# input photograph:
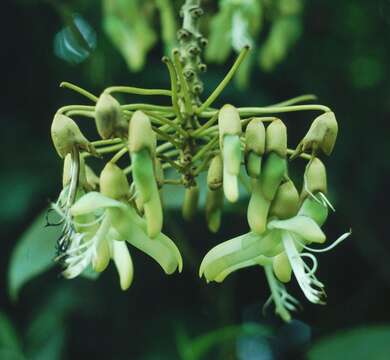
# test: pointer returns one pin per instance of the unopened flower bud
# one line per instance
(255, 137)
(282, 267)
(92, 178)
(272, 174)
(113, 182)
(315, 177)
(313, 209)
(276, 138)
(123, 263)
(286, 201)
(215, 173)
(258, 208)
(253, 164)
(228, 122)
(190, 203)
(322, 135)
(66, 136)
(141, 135)
(231, 166)
(108, 115)
(214, 203)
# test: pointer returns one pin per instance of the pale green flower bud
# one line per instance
(215, 173)
(258, 208)
(108, 115)
(272, 174)
(146, 187)
(282, 268)
(315, 178)
(66, 136)
(276, 138)
(141, 135)
(231, 166)
(286, 201)
(255, 137)
(253, 164)
(113, 182)
(322, 135)
(190, 203)
(214, 203)
(229, 122)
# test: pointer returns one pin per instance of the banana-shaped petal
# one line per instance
(94, 201)
(303, 226)
(122, 259)
(245, 248)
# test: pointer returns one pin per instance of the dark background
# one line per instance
(342, 57)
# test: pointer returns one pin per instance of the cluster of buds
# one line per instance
(102, 214)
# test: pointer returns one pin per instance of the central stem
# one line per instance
(191, 43)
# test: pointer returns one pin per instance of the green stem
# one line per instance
(183, 83)
(297, 99)
(205, 126)
(173, 77)
(80, 90)
(66, 108)
(225, 81)
(119, 154)
(205, 149)
(166, 137)
(163, 120)
(137, 91)
(88, 114)
(147, 107)
(106, 142)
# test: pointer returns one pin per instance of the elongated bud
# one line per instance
(228, 122)
(286, 201)
(276, 138)
(315, 177)
(282, 267)
(141, 135)
(214, 203)
(322, 135)
(258, 208)
(108, 115)
(102, 257)
(147, 192)
(124, 264)
(272, 174)
(67, 172)
(255, 137)
(190, 203)
(215, 173)
(113, 182)
(231, 166)
(66, 135)
(159, 171)
(253, 164)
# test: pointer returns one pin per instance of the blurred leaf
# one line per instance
(168, 24)
(33, 254)
(126, 22)
(197, 348)
(220, 36)
(357, 344)
(10, 347)
(46, 332)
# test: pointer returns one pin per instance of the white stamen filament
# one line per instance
(305, 279)
(330, 247)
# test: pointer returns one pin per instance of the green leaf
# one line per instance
(358, 344)
(197, 348)
(33, 254)
(10, 347)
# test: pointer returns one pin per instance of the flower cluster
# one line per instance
(102, 214)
